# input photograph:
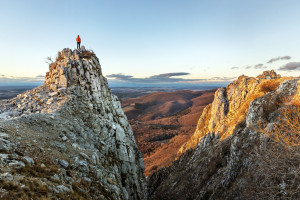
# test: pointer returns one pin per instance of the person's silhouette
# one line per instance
(78, 40)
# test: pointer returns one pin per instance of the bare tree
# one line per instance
(49, 60)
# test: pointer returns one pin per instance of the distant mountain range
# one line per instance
(10, 91)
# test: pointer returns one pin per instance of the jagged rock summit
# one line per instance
(69, 138)
(230, 105)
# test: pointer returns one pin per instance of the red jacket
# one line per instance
(78, 39)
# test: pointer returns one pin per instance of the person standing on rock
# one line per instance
(78, 40)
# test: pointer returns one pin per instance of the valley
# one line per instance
(162, 122)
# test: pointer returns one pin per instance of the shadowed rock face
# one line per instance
(73, 131)
(243, 165)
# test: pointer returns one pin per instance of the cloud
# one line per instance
(279, 58)
(160, 78)
(167, 78)
(290, 66)
(222, 78)
(260, 66)
(168, 75)
(234, 67)
(120, 76)
(247, 67)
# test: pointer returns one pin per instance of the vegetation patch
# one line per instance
(269, 85)
(87, 54)
(287, 131)
(161, 137)
(164, 127)
(38, 171)
(142, 106)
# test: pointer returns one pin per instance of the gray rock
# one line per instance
(53, 94)
(4, 135)
(6, 177)
(84, 155)
(3, 156)
(61, 189)
(61, 147)
(64, 163)
(64, 138)
(28, 160)
(16, 164)
(55, 177)
(3, 147)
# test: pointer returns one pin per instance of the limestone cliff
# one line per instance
(230, 107)
(235, 154)
(69, 138)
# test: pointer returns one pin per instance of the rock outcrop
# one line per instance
(269, 75)
(230, 155)
(230, 107)
(69, 138)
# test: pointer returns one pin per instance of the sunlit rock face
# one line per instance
(75, 126)
(230, 107)
(231, 156)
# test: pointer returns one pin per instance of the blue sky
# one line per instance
(193, 41)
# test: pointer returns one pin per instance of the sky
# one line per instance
(141, 42)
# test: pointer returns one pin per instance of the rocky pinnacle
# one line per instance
(74, 124)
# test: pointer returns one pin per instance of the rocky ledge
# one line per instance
(69, 138)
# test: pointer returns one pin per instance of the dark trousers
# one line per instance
(78, 45)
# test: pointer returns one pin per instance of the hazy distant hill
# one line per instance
(7, 92)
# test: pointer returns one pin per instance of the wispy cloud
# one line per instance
(290, 66)
(279, 58)
(168, 75)
(225, 79)
(120, 76)
(260, 66)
